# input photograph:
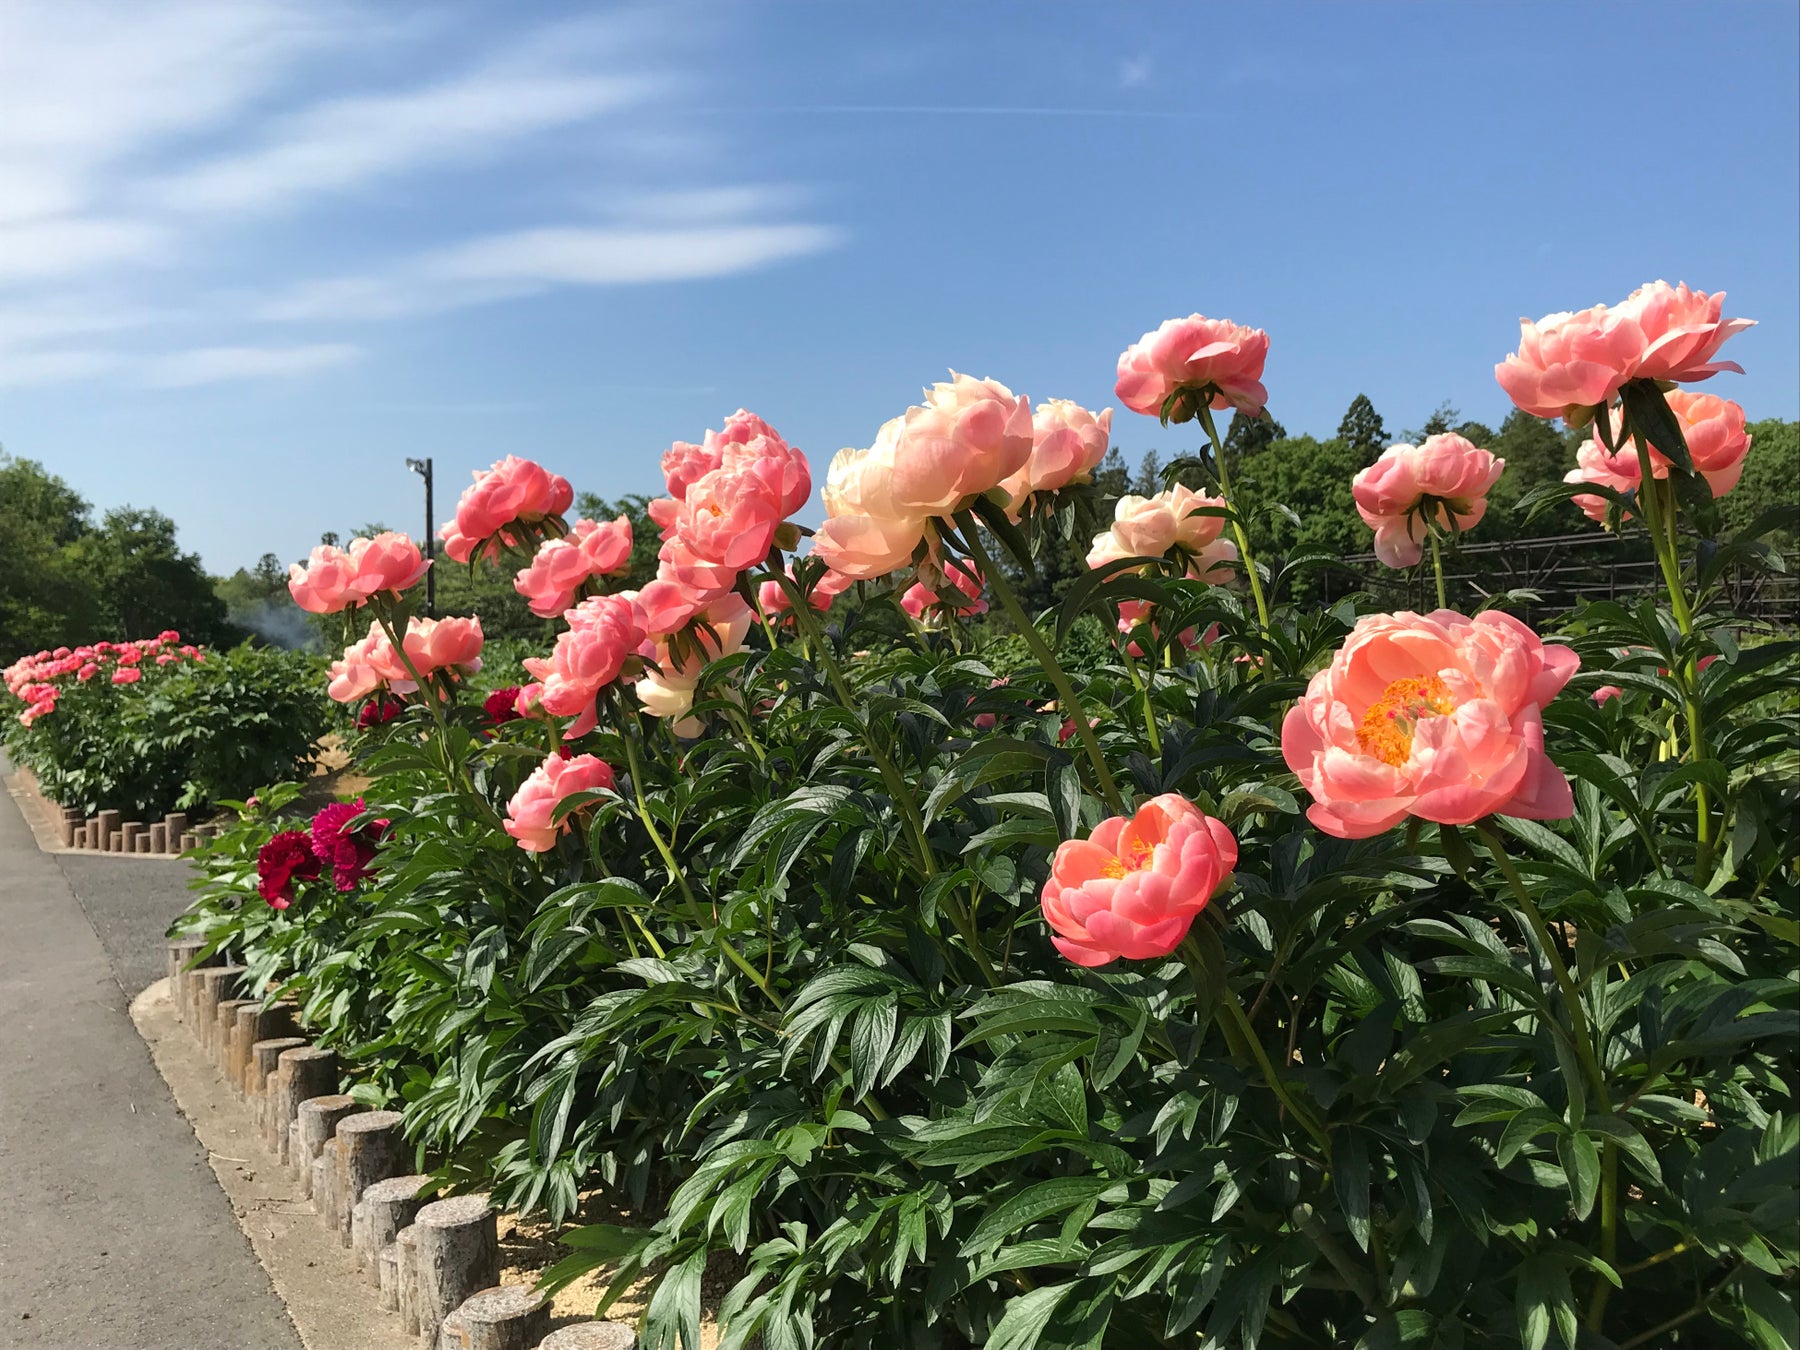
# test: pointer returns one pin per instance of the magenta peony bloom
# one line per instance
(286, 859)
(349, 853)
(502, 705)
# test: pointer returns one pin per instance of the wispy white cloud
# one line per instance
(210, 365)
(22, 369)
(56, 247)
(1134, 71)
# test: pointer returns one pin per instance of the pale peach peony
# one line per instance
(958, 577)
(328, 583)
(1714, 430)
(1176, 519)
(513, 490)
(1436, 716)
(668, 691)
(1681, 332)
(866, 534)
(1390, 494)
(1213, 357)
(444, 644)
(554, 579)
(388, 562)
(968, 437)
(367, 666)
(530, 815)
(1067, 444)
(604, 632)
(1133, 888)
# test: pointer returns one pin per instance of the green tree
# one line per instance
(1310, 478)
(1770, 471)
(145, 581)
(1112, 478)
(1246, 437)
(1536, 455)
(46, 599)
(1149, 479)
(1363, 430)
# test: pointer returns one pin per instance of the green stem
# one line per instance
(1437, 566)
(1237, 526)
(1067, 698)
(1143, 693)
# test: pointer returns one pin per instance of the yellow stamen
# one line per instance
(1386, 729)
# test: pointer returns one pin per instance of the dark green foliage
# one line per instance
(1362, 429)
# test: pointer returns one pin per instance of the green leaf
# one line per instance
(1007, 1220)
(1581, 1164)
(1026, 1317)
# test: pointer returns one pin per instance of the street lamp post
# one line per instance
(422, 467)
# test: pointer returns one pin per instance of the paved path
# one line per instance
(114, 1234)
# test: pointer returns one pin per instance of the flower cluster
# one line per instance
(335, 579)
(508, 504)
(1440, 484)
(39, 679)
(1713, 428)
(293, 856)
(556, 575)
(370, 665)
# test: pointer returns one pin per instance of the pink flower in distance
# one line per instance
(1133, 888)
(328, 583)
(1135, 613)
(866, 533)
(1607, 691)
(127, 675)
(87, 672)
(603, 633)
(773, 600)
(1436, 716)
(1149, 527)
(444, 644)
(513, 490)
(530, 814)
(553, 580)
(1681, 332)
(958, 577)
(1067, 444)
(1390, 493)
(968, 437)
(388, 562)
(1196, 355)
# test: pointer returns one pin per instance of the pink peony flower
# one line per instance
(530, 813)
(1681, 332)
(1607, 691)
(728, 517)
(1713, 428)
(328, 583)
(444, 644)
(388, 562)
(866, 533)
(513, 491)
(1067, 444)
(1135, 613)
(286, 859)
(1436, 716)
(958, 576)
(968, 437)
(127, 675)
(603, 633)
(367, 665)
(1211, 359)
(1390, 494)
(667, 692)
(87, 672)
(553, 580)
(1149, 527)
(1594, 463)
(1133, 888)
(773, 600)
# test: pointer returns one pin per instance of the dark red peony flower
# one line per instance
(378, 711)
(285, 859)
(499, 705)
(349, 852)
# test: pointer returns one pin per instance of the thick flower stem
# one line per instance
(1437, 566)
(1242, 1038)
(1237, 526)
(1143, 693)
(1590, 1064)
(1068, 700)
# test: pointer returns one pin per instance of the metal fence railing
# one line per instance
(1563, 570)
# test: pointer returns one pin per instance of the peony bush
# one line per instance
(1181, 967)
(157, 724)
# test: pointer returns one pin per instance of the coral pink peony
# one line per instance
(1607, 691)
(968, 437)
(1178, 519)
(1681, 332)
(1204, 359)
(444, 644)
(1390, 494)
(553, 581)
(773, 600)
(603, 633)
(728, 517)
(367, 665)
(388, 562)
(127, 675)
(1067, 444)
(1133, 888)
(866, 533)
(1713, 428)
(958, 577)
(530, 815)
(328, 583)
(668, 691)
(1135, 613)
(1436, 716)
(513, 490)
(286, 859)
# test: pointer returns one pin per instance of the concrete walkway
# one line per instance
(114, 1234)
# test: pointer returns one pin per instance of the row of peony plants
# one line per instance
(1268, 975)
(149, 725)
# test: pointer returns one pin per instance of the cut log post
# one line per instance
(72, 824)
(591, 1336)
(216, 984)
(387, 1274)
(143, 843)
(89, 833)
(159, 838)
(189, 840)
(174, 826)
(406, 1269)
(386, 1207)
(182, 955)
(109, 824)
(115, 842)
(458, 1255)
(224, 1030)
(129, 832)
(318, 1185)
(315, 1124)
(506, 1317)
(265, 1057)
(371, 1149)
(258, 1023)
(300, 1074)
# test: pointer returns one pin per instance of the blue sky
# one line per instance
(254, 255)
